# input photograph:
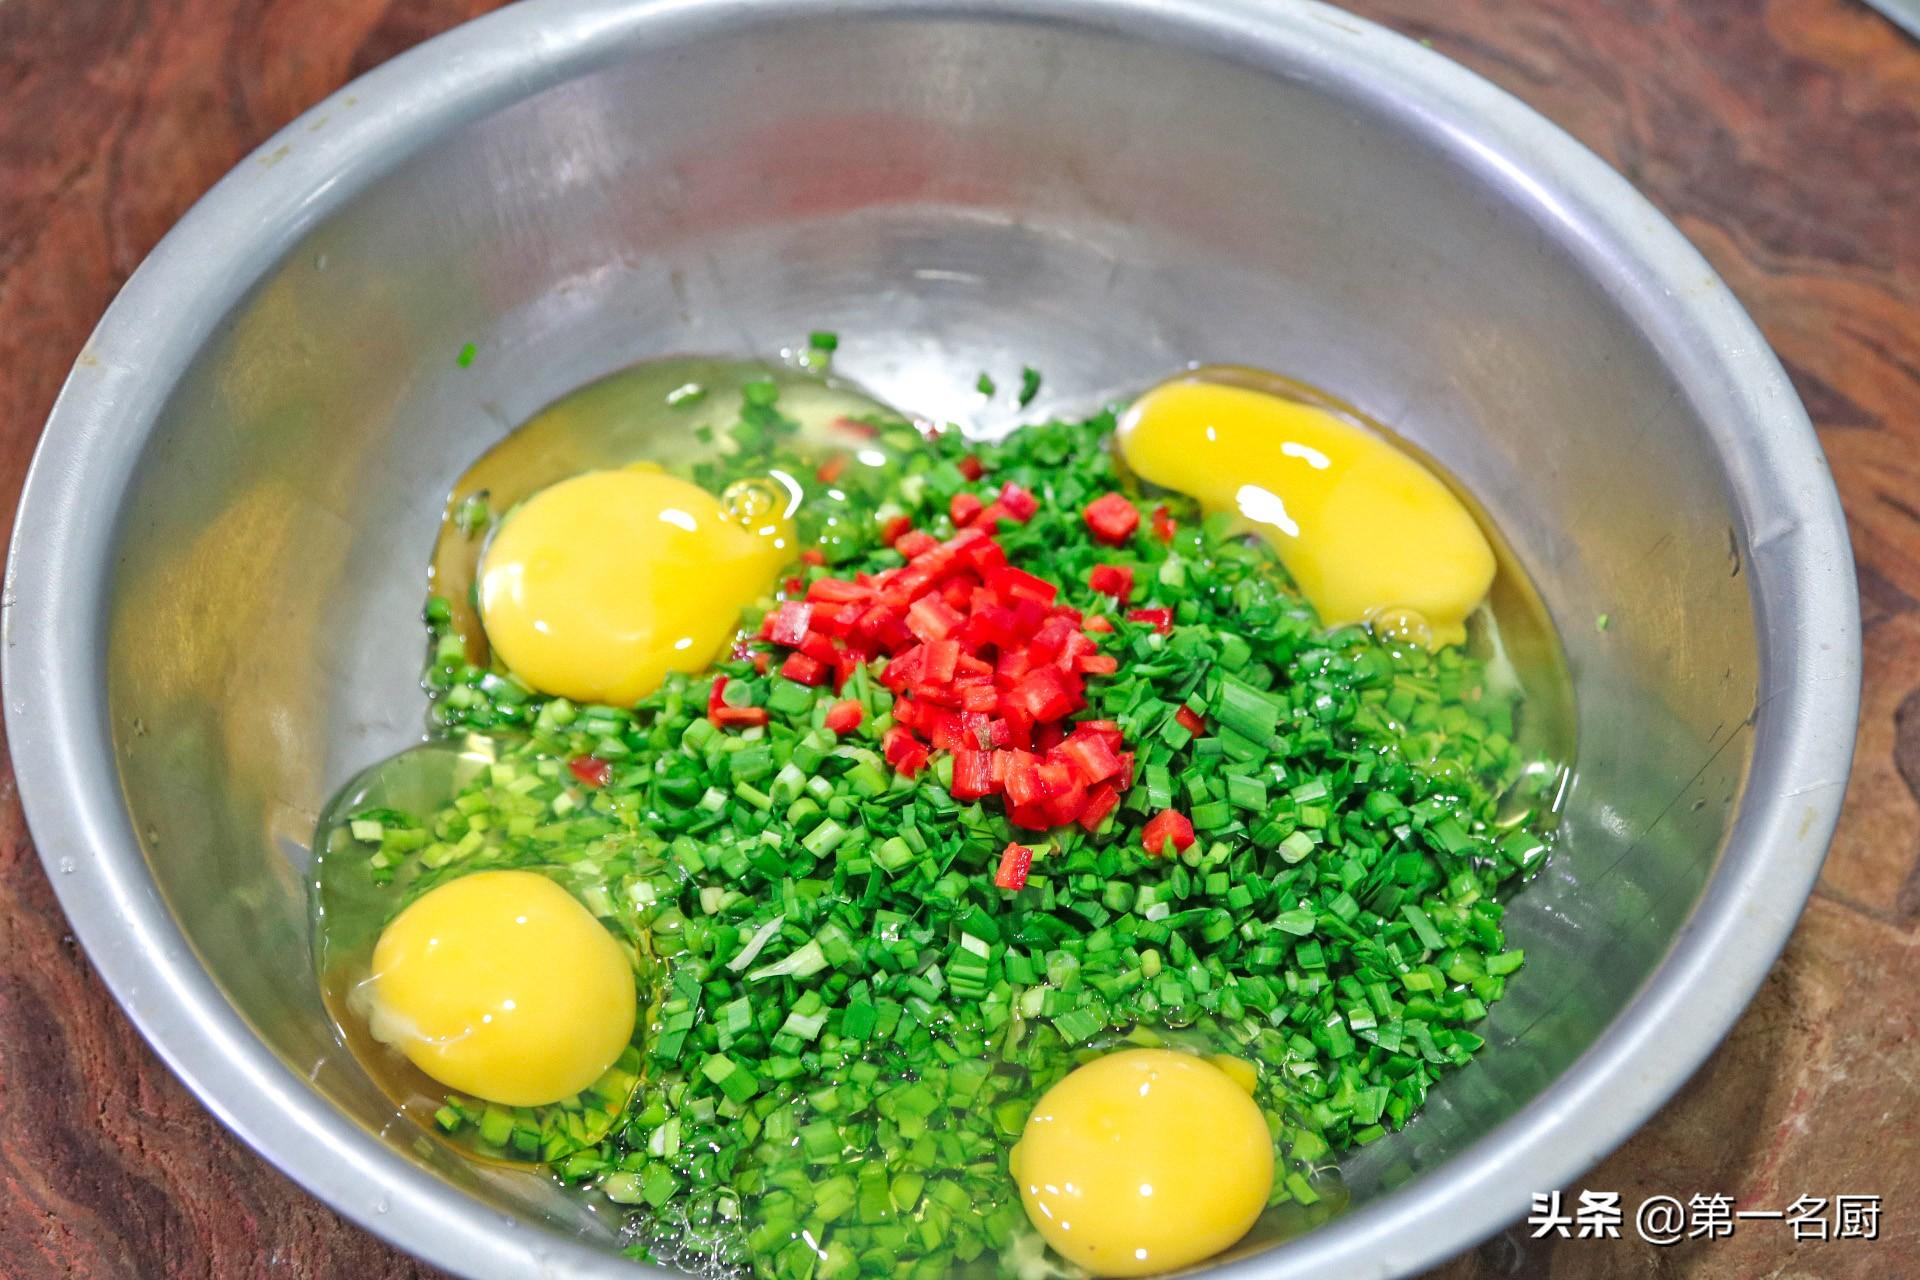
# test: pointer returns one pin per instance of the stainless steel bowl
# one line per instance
(217, 568)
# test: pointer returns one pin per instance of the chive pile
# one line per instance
(859, 976)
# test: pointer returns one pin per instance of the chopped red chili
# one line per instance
(915, 542)
(788, 624)
(1015, 862)
(806, 670)
(1161, 618)
(1112, 518)
(1168, 826)
(723, 715)
(1112, 580)
(844, 717)
(903, 751)
(1017, 502)
(591, 770)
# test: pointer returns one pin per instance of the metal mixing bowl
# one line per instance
(217, 572)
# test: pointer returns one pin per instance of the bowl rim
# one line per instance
(60, 567)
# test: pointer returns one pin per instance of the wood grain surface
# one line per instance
(1782, 135)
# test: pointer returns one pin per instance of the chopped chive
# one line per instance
(1029, 385)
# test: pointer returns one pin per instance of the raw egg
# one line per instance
(1144, 1161)
(500, 985)
(596, 587)
(1367, 533)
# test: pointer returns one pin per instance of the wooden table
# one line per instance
(1782, 135)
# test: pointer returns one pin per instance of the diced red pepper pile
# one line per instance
(983, 662)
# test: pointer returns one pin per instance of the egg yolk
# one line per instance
(1144, 1161)
(1368, 534)
(596, 587)
(500, 985)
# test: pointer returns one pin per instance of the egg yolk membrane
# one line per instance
(1367, 533)
(596, 587)
(501, 985)
(1144, 1161)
